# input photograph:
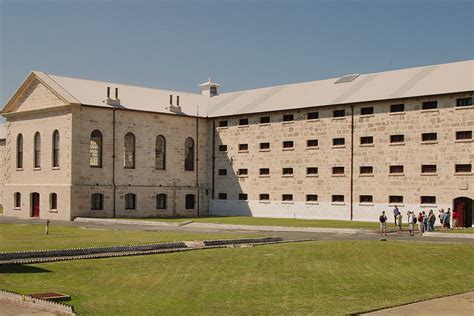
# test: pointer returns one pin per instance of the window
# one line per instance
(288, 118)
(311, 170)
(464, 135)
(464, 102)
(288, 144)
(395, 199)
(160, 153)
(95, 149)
(129, 151)
(367, 110)
(338, 141)
(37, 151)
(53, 201)
(312, 143)
(97, 201)
(429, 137)
(223, 123)
(366, 199)
(313, 115)
(397, 138)
(366, 140)
(366, 170)
(244, 121)
(17, 200)
(463, 168)
(428, 199)
(264, 119)
(222, 147)
(243, 147)
(311, 198)
(189, 154)
(161, 201)
(222, 196)
(264, 197)
(339, 113)
(337, 170)
(243, 172)
(338, 198)
(264, 171)
(130, 201)
(429, 105)
(222, 172)
(243, 197)
(287, 171)
(55, 146)
(190, 201)
(264, 146)
(394, 108)
(428, 169)
(396, 169)
(287, 197)
(19, 151)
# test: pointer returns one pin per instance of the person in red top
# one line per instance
(455, 219)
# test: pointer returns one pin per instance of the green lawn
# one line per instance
(469, 230)
(321, 278)
(263, 221)
(29, 237)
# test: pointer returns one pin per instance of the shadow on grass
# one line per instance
(21, 269)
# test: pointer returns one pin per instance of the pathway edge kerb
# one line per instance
(37, 303)
(448, 235)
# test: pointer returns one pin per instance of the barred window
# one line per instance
(243, 196)
(311, 197)
(19, 151)
(287, 197)
(397, 108)
(53, 201)
(287, 171)
(366, 170)
(161, 201)
(400, 138)
(55, 149)
(288, 144)
(190, 201)
(222, 172)
(428, 168)
(95, 149)
(242, 172)
(313, 115)
(288, 118)
(396, 169)
(366, 140)
(222, 147)
(464, 135)
(97, 201)
(37, 151)
(244, 121)
(430, 105)
(464, 102)
(264, 146)
(336, 198)
(337, 170)
(129, 151)
(463, 168)
(395, 199)
(160, 152)
(338, 141)
(339, 113)
(264, 197)
(312, 143)
(264, 171)
(17, 200)
(223, 123)
(311, 170)
(366, 199)
(428, 199)
(367, 110)
(189, 154)
(222, 196)
(264, 119)
(130, 201)
(429, 137)
(243, 147)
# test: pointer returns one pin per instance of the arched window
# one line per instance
(56, 148)
(95, 158)
(53, 201)
(97, 201)
(190, 201)
(160, 153)
(19, 151)
(37, 151)
(161, 201)
(129, 151)
(130, 201)
(189, 154)
(17, 200)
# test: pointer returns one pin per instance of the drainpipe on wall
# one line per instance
(197, 165)
(213, 156)
(352, 162)
(113, 162)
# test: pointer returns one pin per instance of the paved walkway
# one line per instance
(462, 304)
(9, 309)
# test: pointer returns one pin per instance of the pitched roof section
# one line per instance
(411, 82)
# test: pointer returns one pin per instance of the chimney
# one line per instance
(209, 88)
(173, 108)
(115, 101)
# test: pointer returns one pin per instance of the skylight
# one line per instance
(347, 78)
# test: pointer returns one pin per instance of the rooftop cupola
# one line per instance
(209, 88)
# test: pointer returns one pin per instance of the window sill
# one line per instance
(243, 176)
(19, 169)
(366, 145)
(338, 203)
(463, 174)
(366, 204)
(338, 118)
(312, 175)
(264, 176)
(338, 146)
(396, 204)
(17, 208)
(95, 166)
(264, 124)
(133, 168)
(242, 201)
(312, 203)
(366, 115)
(53, 211)
(466, 107)
(397, 144)
(55, 168)
(396, 174)
(429, 205)
(434, 174)
(338, 175)
(264, 202)
(130, 210)
(287, 202)
(397, 113)
(288, 122)
(36, 169)
(430, 111)
(222, 175)
(312, 148)
(288, 149)
(313, 120)
(366, 175)
(429, 142)
(264, 150)
(288, 176)
(243, 151)
(457, 141)
(243, 126)
(222, 127)
(223, 152)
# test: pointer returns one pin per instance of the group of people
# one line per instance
(425, 221)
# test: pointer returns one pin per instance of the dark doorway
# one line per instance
(463, 205)
(35, 204)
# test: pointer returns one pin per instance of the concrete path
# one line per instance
(9, 309)
(462, 304)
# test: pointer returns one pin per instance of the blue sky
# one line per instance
(241, 44)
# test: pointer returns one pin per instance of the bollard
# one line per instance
(47, 226)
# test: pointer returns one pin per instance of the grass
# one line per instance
(30, 237)
(263, 221)
(322, 277)
(469, 230)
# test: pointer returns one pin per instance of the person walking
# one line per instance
(431, 221)
(421, 224)
(425, 221)
(398, 223)
(447, 219)
(441, 217)
(455, 219)
(383, 224)
(396, 212)
(411, 223)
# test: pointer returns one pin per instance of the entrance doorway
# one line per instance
(464, 206)
(35, 204)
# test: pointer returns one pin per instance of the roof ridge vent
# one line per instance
(347, 78)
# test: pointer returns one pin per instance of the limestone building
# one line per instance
(341, 148)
